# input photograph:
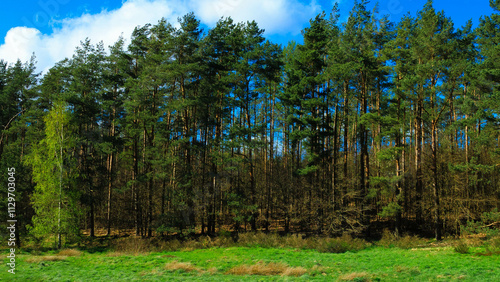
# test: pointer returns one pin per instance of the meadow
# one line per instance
(259, 257)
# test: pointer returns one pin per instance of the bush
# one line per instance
(295, 241)
(390, 239)
(408, 242)
(133, 245)
(462, 248)
(486, 225)
(342, 244)
(494, 243)
(260, 239)
(334, 246)
(492, 247)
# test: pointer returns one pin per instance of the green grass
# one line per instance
(372, 264)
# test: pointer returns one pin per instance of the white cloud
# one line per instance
(19, 41)
(276, 17)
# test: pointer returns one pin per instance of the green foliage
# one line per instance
(391, 210)
(495, 4)
(334, 246)
(389, 154)
(173, 222)
(462, 248)
(342, 244)
(493, 246)
(55, 197)
(364, 120)
(487, 225)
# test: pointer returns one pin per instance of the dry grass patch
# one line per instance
(154, 271)
(294, 271)
(70, 253)
(38, 259)
(185, 266)
(358, 276)
(267, 269)
(258, 269)
(212, 270)
(430, 249)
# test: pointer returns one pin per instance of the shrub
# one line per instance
(295, 241)
(486, 225)
(390, 239)
(342, 244)
(495, 243)
(221, 242)
(334, 246)
(132, 245)
(462, 248)
(260, 239)
(224, 234)
(492, 247)
(408, 242)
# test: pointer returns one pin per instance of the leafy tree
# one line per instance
(54, 172)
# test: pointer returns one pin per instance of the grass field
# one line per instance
(374, 263)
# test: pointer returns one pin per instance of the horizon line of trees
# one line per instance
(367, 124)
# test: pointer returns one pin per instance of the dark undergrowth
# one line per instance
(323, 244)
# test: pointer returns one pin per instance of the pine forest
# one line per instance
(367, 125)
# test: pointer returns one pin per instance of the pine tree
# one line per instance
(134, 108)
(20, 128)
(399, 51)
(219, 53)
(85, 90)
(359, 46)
(115, 74)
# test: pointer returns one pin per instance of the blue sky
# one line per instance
(53, 28)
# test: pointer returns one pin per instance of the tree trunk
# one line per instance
(435, 184)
